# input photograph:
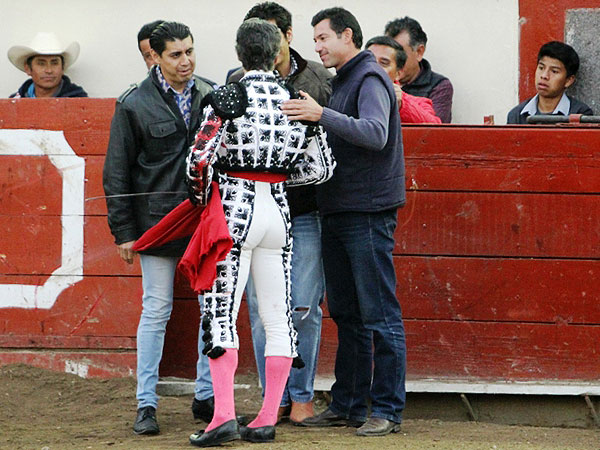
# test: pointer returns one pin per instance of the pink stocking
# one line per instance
(222, 371)
(277, 370)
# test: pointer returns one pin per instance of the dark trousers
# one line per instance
(361, 293)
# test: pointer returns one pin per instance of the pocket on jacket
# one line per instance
(162, 129)
(163, 205)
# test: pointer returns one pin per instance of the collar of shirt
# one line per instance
(563, 107)
(183, 99)
(293, 69)
(293, 66)
(31, 90)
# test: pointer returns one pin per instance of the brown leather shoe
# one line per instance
(376, 426)
(329, 419)
(283, 413)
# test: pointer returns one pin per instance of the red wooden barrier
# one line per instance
(497, 254)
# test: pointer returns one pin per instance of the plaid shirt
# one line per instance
(293, 69)
(184, 100)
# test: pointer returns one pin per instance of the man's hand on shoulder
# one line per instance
(125, 251)
(304, 109)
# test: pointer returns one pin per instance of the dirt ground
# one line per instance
(42, 410)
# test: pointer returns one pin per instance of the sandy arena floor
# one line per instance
(42, 410)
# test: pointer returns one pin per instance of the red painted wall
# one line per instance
(497, 255)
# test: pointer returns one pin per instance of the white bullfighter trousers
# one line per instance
(258, 218)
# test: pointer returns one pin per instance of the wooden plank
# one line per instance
(39, 235)
(491, 289)
(28, 341)
(31, 185)
(181, 341)
(95, 306)
(85, 364)
(504, 351)
(502, 159)
(92, 141)
(492, 224)
(100, 252)
(93, 186)
(501, 143)
(469, 173)
(42, 236)
(69, 114)
(327, 348)
(489, 351)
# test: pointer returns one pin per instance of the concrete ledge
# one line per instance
(180, 386)
(492, 387)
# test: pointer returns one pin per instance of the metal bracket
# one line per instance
(470, 410)
(592, 410)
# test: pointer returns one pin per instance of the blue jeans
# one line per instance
(361, 294)
(308, 285)
(203, 389)
(158, 273)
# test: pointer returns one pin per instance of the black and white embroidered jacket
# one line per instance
(244, 129)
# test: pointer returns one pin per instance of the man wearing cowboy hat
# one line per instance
(45, 61)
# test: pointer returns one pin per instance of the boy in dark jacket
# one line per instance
(557, 65)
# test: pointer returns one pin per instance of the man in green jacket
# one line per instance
(153, 126)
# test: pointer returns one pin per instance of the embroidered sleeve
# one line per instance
(199, 171)
(316, 164)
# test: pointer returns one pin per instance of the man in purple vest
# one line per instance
(359, 207)
(418, 78)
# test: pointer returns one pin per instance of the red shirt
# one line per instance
(417, 110)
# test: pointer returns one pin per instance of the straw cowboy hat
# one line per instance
(43, 44)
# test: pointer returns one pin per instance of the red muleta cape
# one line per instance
(210, 242)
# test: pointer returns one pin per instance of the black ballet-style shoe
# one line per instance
(229, 431)
(258, 434)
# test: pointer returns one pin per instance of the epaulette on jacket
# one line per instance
(124, 95)
(229, 101)
(211, 83)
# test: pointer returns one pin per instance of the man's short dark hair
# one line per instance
(147, 30)
(30, 59)
(340, 19)
(168, 31)
(415, 33)
(257, 44)
(389, 42)
(563, 52)
(271, 11)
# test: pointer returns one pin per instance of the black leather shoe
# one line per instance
(377, 426)
(329, 419)
(203, 410)
(229, 431)
(145, 422)
(258, 434)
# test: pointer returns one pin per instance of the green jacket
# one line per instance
(148, 145)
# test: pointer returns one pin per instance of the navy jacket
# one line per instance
(577, 107)
(368, 178)
(68, 89)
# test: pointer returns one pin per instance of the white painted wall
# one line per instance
(473, 42)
